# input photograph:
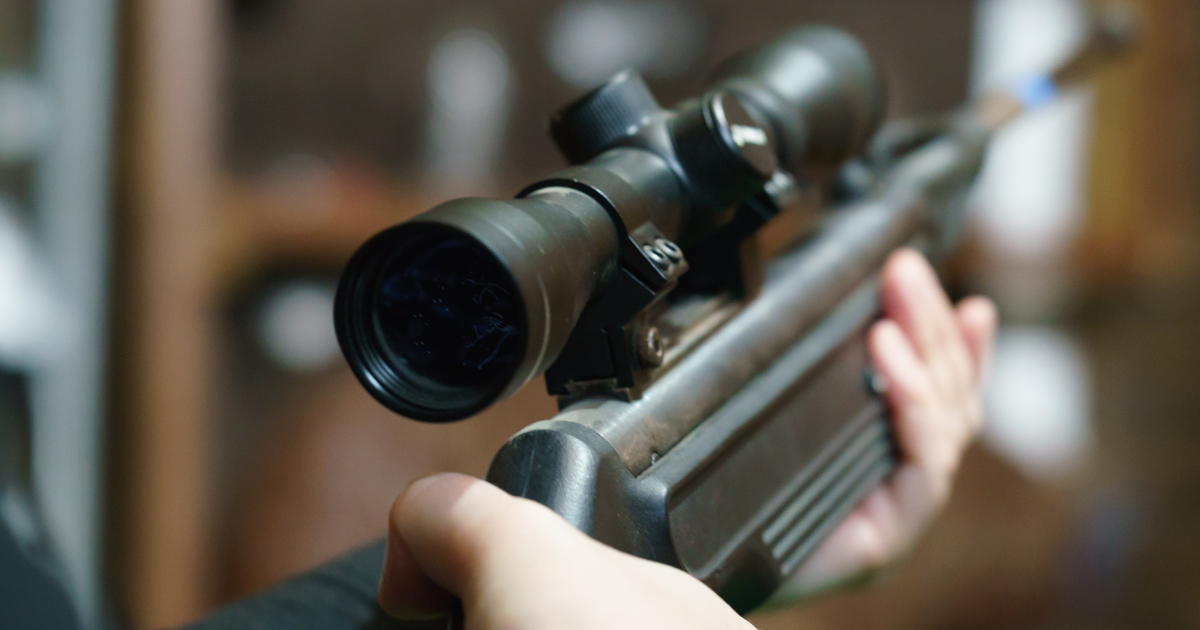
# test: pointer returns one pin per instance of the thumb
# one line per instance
(448, 533)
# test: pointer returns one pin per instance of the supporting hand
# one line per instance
(931, 357)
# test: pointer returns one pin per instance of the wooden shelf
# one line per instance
(255, 226)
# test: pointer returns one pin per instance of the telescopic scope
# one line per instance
(448, 312)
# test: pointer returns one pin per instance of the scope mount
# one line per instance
(724, 161)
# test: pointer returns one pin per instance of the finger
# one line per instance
(947, 354)
(910, 387)
(474, 540)
(405, 592)
(977, 319)
(913, 296)
(440, 519)
(927, 441)
(910, 296)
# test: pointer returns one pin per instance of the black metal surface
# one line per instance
(678, 175)
(727, 261)
(337, 596)
(816, 87)
(751, 491)
(723, 150)
(740, 460)
(550, 252)
(802, 289)
(599, 119)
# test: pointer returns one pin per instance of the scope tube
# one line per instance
(818, 90)
(442, 315)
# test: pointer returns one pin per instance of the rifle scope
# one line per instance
(462, 305)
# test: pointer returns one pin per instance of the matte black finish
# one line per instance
(816, 87)
(340, 595)
(723, 149)
(599, 119)
(751, 492)
(721, 152)
(675, 177)
(738, 460)
(727, 261)
(743, 457)
(535, 264)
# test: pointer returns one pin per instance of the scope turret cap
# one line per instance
(595, 121)
(724, 150)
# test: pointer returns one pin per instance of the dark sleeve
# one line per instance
(337, 596)
(31, 596)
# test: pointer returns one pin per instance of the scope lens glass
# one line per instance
(449, 319)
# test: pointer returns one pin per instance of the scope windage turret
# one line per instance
(446, 313)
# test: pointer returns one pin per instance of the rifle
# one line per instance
(717, 413)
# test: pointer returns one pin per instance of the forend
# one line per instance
(444, 314)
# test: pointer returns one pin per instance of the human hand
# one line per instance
(515, 563)
(931, 357)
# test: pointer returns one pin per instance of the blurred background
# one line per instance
(180, 183)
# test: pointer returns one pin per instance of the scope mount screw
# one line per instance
(650, 347)
(657, 257)
(668, 249)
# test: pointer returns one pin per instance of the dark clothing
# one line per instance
(31, 595)
(337, 596)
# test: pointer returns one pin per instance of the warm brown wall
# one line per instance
(1143, 224)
